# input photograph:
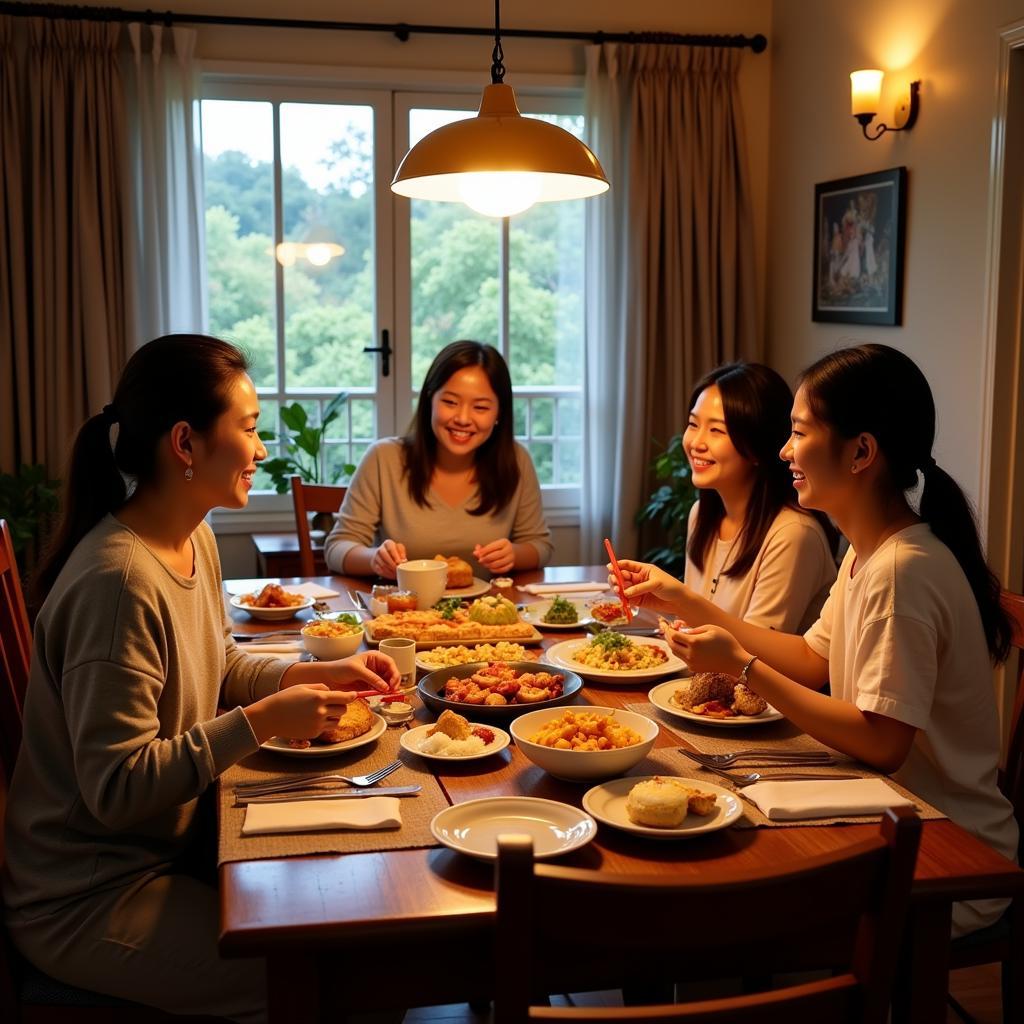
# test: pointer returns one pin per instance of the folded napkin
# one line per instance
(283, 648)
(323, 815)
(788, 801)
(314, 590)
(564, 588)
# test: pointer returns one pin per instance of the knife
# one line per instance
(287, 797)
(255, 638)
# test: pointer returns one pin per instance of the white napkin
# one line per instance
(829, 798)
(284, 648)
(323, 815)
(564, 588)
(314, 590)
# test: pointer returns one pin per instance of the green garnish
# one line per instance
(448, 606)
(561, 612)
(611, 641)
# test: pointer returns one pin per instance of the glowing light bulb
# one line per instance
(319, 254)
(499, 193)
(286, 254)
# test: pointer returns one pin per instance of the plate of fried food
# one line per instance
(486, 620)
(498, 691)
(609, 656)
(460, 654)
(662, 806)
(454, 738)
(713, 698)
(357, 726)
(608, 612)
(272, 604)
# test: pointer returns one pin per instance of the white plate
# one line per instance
(430, 666)
(534, 614)
(607, 803)
(611, 598)
(560, 655)
(475, 589)
(412, 738)
(662, 696)
(271, 614)
(280, 746)
(473, 827)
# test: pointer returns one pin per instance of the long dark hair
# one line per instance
(757, 403)
(877, 390)
(177, 377)
(497, 469)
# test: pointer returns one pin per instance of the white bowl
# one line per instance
(331, 648)
(584, 765)
(426, 578)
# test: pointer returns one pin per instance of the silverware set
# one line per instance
(768, 759)
(290, 796)
(285, 783)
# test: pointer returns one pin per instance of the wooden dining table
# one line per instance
(414, 927)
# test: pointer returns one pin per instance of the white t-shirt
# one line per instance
(788, 582)
(903, 638)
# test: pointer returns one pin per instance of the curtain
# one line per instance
(167, 239)
(670, 262)
(64, 308)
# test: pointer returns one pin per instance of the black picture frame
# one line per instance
(859, 227)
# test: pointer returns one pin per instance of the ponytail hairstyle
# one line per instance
(497, 468)
(756, 402)
(177, 377)
(877, 390)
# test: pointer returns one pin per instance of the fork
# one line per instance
(741, 779)
(304, 781)
(772, 757)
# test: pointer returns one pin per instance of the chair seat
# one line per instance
(39, 989)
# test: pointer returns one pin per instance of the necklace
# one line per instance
(721, 567)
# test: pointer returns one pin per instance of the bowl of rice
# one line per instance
(331, 639)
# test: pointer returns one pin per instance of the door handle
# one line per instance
(385, 350)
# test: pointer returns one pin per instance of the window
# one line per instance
(294, 176)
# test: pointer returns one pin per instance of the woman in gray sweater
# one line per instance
(132, 656)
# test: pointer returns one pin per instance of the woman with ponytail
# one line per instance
(132, 656)
(913, 624)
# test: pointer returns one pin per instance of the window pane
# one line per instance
(238, 152)
(521, 407)
(569, 417)
(327, 204)
(543, 424)
(542, 453)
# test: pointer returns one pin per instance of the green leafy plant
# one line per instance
(669, 506)
(303, 444)
(29, 500)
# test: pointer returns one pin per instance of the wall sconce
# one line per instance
(865, 95)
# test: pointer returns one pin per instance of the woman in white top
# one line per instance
(913, 624)
(751, 550)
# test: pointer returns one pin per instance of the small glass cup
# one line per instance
(379, 598)
(401, 601)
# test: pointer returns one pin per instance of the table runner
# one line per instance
(416, 810)
(782, 734)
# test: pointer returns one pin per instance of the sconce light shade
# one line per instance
(499, 163)
(865, 101)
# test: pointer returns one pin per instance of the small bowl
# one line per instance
(331, 648)
(584, 765)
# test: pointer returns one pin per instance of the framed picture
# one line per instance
(858, 248)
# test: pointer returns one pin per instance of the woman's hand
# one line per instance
(645, 582)
(707, 648)
(497, 557)
(368, 669)
(387, 557)
(298, 712)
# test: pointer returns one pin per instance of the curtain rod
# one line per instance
(757, 43)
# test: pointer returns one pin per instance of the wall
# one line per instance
(953, 47)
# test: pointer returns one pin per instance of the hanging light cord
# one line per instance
(497, 67)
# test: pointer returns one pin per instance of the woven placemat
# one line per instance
(781, 734)
(416, 810)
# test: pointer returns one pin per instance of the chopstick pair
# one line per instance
(620, 583)
(386, 698)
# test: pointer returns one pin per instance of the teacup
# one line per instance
(426, 578)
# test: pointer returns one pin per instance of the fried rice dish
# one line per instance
(615, 652)
(447, 657)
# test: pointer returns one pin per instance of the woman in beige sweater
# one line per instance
(132, 657)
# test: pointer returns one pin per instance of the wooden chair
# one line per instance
(312, 498)
(547, 915)
(15, 645)
(1003, 942)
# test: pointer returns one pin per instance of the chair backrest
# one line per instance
(551, 919)
(1013, 774)
(312, 498)
(15, 645)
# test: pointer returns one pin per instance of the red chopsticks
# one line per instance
(386, 698)
(619, 581)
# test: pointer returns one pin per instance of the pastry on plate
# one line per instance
(355, 720)
(658, 803)
(460, 572)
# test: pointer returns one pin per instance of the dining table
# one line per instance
(395, 928)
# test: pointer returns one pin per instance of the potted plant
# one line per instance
(669, 506)
(28, 501)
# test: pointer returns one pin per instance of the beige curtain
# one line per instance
(63, 125)
(671, 286)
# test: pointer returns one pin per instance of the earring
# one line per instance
(188, 473)
(853, 468)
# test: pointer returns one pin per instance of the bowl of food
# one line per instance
(584, 743)
(331, 639)
(498, 691)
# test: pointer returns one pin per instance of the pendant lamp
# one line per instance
(499, 163)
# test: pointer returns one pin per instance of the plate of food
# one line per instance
(662, 806)
(486, 620)
(557, 613)
(614, 656)
(608, 611)
(273, 603)
(499, 691)
(475, 588)
(355, 728)
(461, 654)
(473, 827)
(713, 698)
(454, 738)
(461, 581)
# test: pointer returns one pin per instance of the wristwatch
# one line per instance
(746, 669)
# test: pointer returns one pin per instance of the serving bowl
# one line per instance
(331, 648)
(584, 765)
(431, 691)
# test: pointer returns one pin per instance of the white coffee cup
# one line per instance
(426, 578)
(403, 652)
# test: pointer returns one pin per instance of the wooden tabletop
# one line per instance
(394, 902)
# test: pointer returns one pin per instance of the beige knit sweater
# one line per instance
(121, 734)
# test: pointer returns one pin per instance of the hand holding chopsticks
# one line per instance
(620, 584)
